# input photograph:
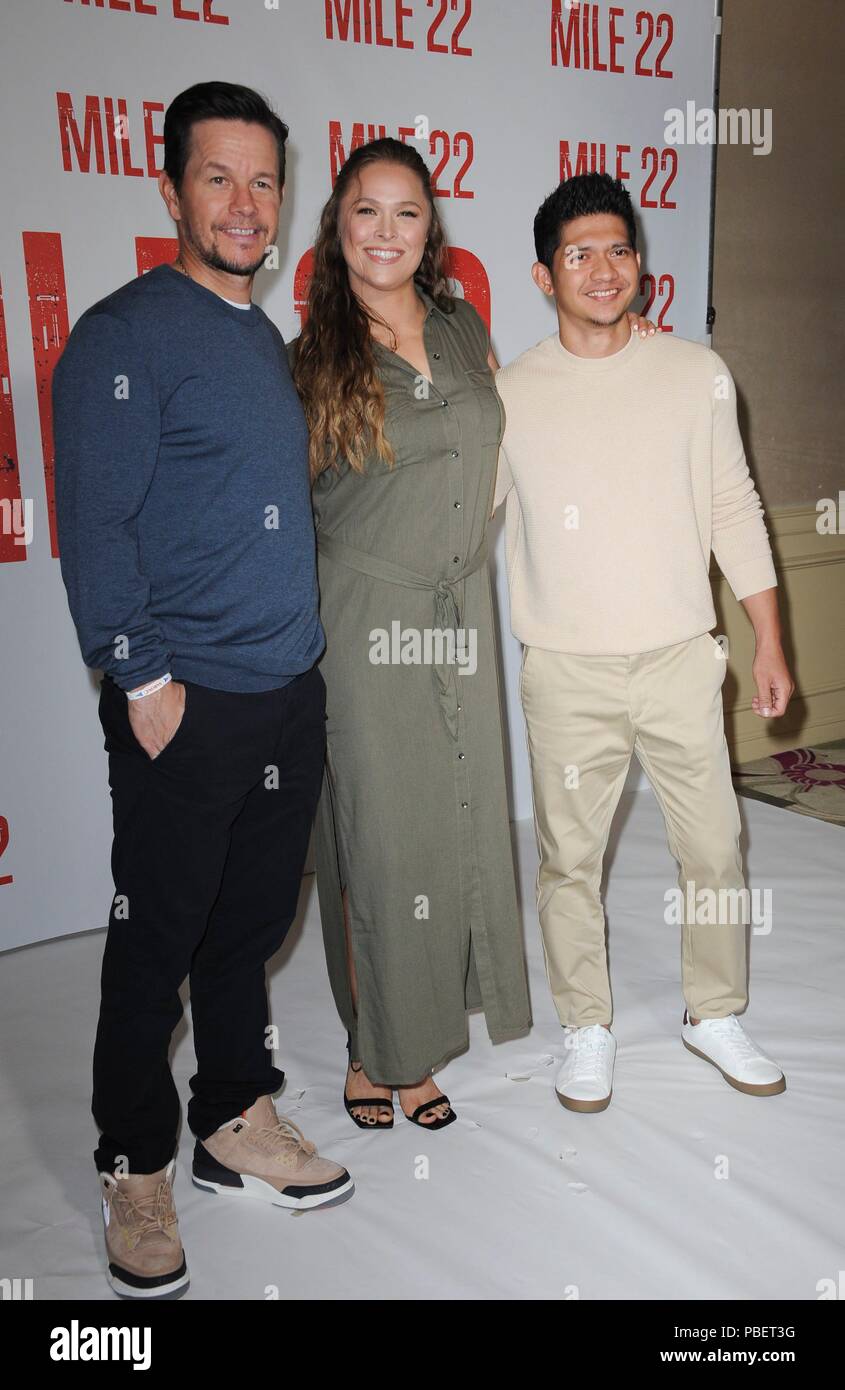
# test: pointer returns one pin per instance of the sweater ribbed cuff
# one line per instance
(751, 576)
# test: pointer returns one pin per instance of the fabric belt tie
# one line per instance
(446, 612)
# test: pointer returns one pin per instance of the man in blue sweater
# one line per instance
(187, 551)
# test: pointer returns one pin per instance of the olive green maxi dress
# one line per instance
(413, 817)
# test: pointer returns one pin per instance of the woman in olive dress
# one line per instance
(414, 862)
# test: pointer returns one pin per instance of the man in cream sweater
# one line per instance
(622, 465)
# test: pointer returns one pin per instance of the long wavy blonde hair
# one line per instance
(334, 368)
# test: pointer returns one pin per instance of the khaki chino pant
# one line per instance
(585, 717)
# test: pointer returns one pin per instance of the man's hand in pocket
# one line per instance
(155, 718)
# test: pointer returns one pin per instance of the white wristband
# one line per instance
(148, 689)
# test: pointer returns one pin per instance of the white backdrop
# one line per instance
(84, 87)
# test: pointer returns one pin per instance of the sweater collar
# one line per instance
(595, 364)
(248, 317)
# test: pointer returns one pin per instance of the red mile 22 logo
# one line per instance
(436, 26)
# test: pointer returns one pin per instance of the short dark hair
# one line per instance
(210, 101)
(580, 197)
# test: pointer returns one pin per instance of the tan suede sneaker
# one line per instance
(145, 1254)
(262, 1154)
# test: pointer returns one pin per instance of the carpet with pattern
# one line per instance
(810, 781)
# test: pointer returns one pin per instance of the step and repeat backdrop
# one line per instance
(503, 99)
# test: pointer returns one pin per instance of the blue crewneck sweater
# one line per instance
(182, 494)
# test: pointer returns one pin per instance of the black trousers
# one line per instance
(210, 839)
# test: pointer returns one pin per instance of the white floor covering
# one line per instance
(522, 1199)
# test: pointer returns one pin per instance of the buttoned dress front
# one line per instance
(413, 817)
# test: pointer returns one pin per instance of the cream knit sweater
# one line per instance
(620, 474)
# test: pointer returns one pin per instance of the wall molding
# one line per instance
(811, 583)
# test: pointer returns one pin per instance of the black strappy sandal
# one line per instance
(356, 1104)
(430, 1105)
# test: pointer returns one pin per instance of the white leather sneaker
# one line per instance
(725, 1043)
(585, 1081)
